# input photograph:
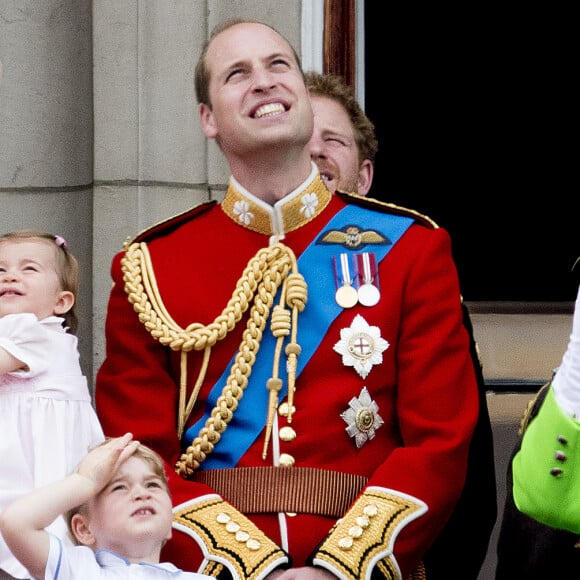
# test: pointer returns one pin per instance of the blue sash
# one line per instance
(315, 264)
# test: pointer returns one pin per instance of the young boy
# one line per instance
(119, 513)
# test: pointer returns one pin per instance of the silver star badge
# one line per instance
(362, 418)
(361, 346)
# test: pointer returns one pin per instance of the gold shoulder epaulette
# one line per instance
(168, 224)
(386, 207)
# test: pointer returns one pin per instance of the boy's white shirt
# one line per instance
(74, 562)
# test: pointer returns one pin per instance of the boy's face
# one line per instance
(133, 513)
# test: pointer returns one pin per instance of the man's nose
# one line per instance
(316, 148)
(262, 79)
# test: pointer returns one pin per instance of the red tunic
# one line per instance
(424, 387)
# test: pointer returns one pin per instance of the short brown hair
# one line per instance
(67, 267)
(334, 87)
(201, 79)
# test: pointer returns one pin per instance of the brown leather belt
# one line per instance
(285, 489)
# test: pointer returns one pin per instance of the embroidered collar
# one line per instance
(290, 213)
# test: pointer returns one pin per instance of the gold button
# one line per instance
(284, 408)
(287, 434)
(363, 521)
(371, 510)
(355, 532)
(253, 544)
(287, 460)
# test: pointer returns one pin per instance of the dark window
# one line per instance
(473, 110)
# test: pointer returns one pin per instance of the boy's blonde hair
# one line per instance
(150, 457)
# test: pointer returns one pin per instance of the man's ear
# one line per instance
(64, 303)
(365, 177)
(81, 530)
(207, 121)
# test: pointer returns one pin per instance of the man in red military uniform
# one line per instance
(343, 146)
(299, 357)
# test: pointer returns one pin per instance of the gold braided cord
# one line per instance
(185, 409)
(293, 349)
(143, 293)
(258, 286)
(240, 372)
(280, 327)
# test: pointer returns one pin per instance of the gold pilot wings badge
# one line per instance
(352, 237)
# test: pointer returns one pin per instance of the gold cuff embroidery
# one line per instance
(228, 537)
(367, 534)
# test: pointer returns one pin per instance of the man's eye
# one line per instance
(336, 141)
(280, 64)
(235, 73)
(155, 484)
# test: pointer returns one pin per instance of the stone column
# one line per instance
(46, 131)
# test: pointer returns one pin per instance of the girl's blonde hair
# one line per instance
(67, 267)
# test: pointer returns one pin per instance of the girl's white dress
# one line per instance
(47, 419)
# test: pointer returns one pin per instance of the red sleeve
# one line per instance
(135, 363)
(437, 403)
(436, 408)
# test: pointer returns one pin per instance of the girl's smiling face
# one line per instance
(29, 281)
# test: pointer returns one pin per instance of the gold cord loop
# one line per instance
(270, 268)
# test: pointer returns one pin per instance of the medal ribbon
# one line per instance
(315, 264)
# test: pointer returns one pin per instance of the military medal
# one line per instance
(362, 418)
(346, 295)
(361, 346)
(368, 293)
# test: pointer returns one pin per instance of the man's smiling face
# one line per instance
(259, 99)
